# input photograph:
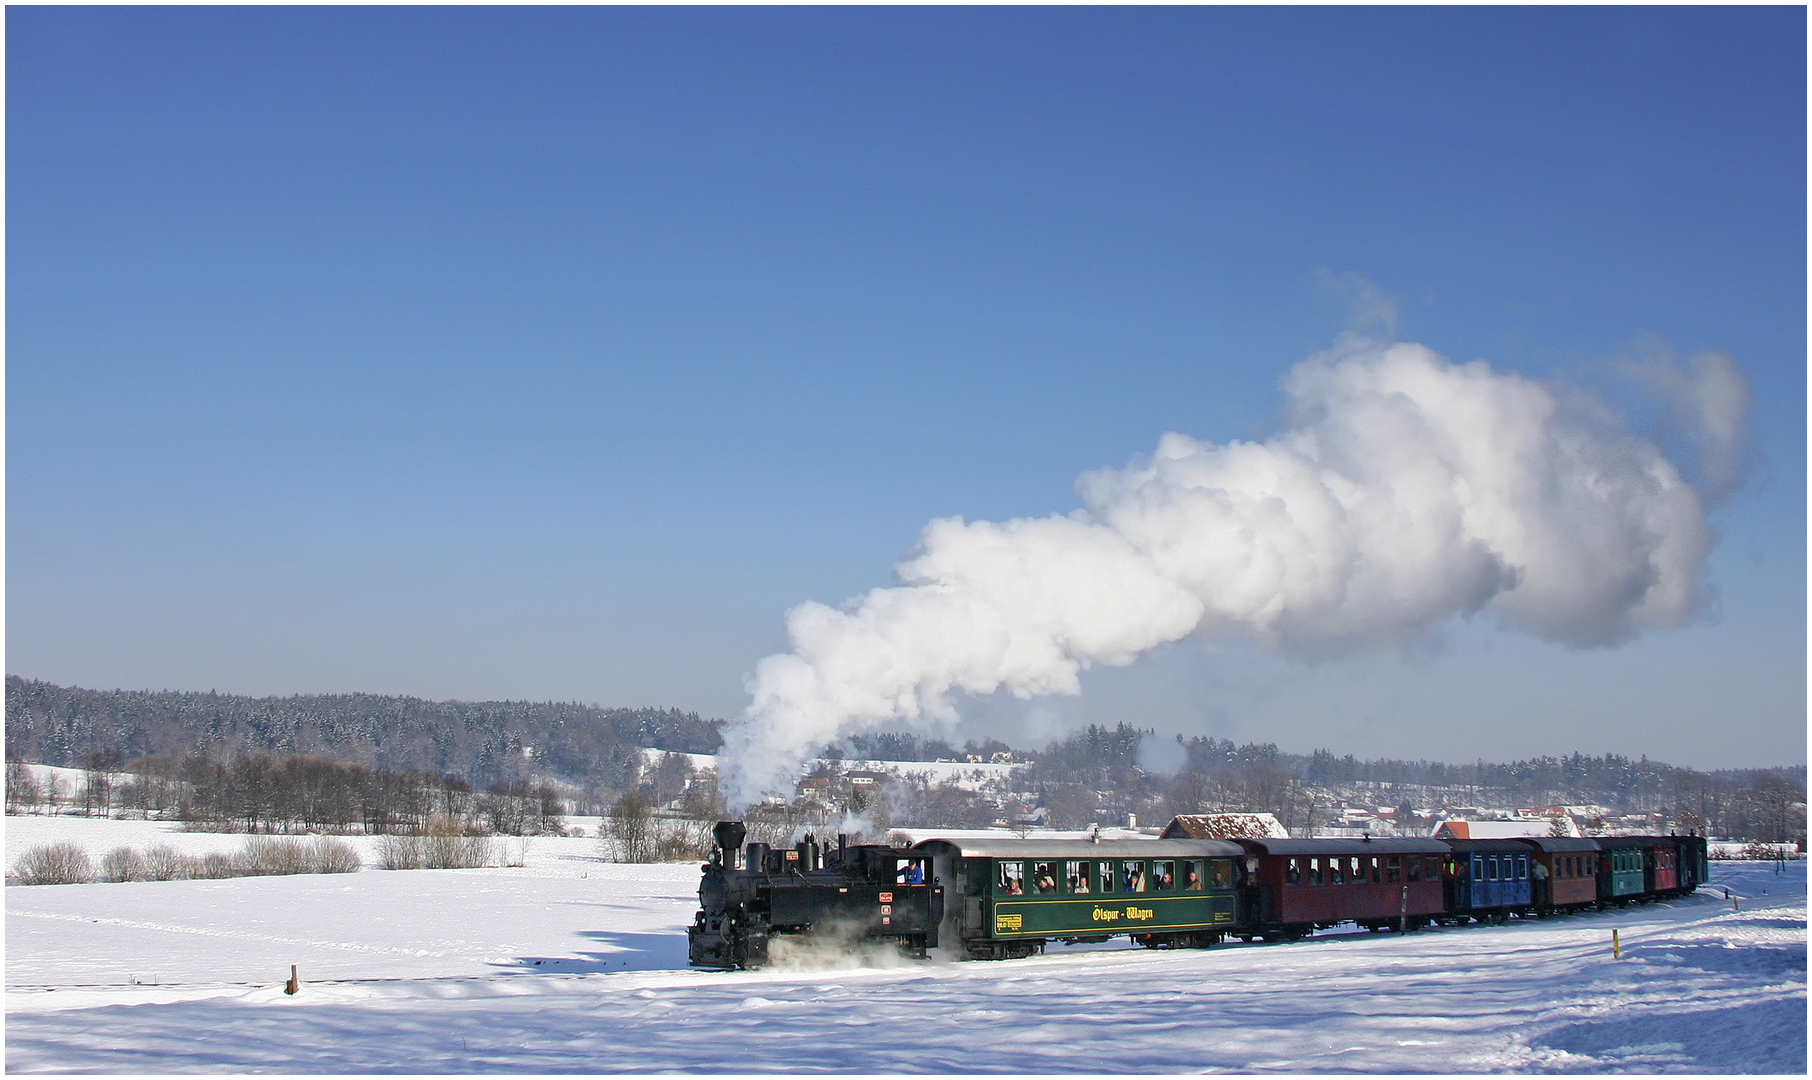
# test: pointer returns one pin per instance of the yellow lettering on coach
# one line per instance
(1140, 913)
(1004, 922)
(1106, 914)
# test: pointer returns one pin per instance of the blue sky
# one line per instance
(555, 353)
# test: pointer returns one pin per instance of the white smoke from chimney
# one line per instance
(1403, 490)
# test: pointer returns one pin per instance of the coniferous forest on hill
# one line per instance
(484, 742)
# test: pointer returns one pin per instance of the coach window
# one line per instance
(1044, 877)
(1355, 870)
(1522, 868)
(1415, 868)
(1336, 871)
(1431, 868)
(1104, 879)
(1314, 871)
(1393, 870)
(1292, 874)
(1132, 875)
(1375, 877)
(1079, 877)
(1163, 875)
(1220, 873)
(1012, 878)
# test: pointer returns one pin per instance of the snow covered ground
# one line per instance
(570, 964)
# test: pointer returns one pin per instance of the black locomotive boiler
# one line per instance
(847, 894)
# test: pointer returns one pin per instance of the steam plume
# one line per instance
(1403, 490)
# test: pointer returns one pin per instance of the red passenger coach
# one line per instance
(1566, 874)
(1295, 886)
(1660, 863)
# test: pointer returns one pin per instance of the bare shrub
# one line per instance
(397, 852)
(165, 863)
(683, 839)
(445, 847)
(263, 855)
(332, 856)
(456, 852)
(124, 864)
(62, 863)
(218, 864)
(515, 853)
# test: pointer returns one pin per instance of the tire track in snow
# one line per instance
(168, 928)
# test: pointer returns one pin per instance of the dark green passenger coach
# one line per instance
(1006, 898)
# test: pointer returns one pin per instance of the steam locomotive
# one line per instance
(860, 892)
(1010, 898)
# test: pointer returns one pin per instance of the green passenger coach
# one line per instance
(1620, 869)
(1007, 898)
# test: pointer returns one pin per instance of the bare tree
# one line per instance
(22, 792)
(628, 831)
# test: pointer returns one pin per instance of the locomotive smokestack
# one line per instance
(729, 835)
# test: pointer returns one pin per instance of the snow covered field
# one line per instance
(569, 964)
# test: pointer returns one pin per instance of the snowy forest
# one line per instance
(382, 764)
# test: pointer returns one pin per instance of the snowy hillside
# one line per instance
(572, 964)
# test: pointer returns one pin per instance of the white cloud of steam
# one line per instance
(1709, 398)
(1404, 490)
(1370, 310)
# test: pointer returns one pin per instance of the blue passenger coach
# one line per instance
(1488, 880)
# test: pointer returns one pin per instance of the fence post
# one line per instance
(1616, 946)
(292, 985)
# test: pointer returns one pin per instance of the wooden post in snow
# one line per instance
(293, 984)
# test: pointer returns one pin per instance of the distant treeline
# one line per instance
(1614, 778)
(905, 746)
(1102, 773)
(257, 793)
(484, 742)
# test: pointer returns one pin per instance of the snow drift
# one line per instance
(1402, 491)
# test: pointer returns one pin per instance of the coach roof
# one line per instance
(1561, 844)
(1420, 845)
(986, 847)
